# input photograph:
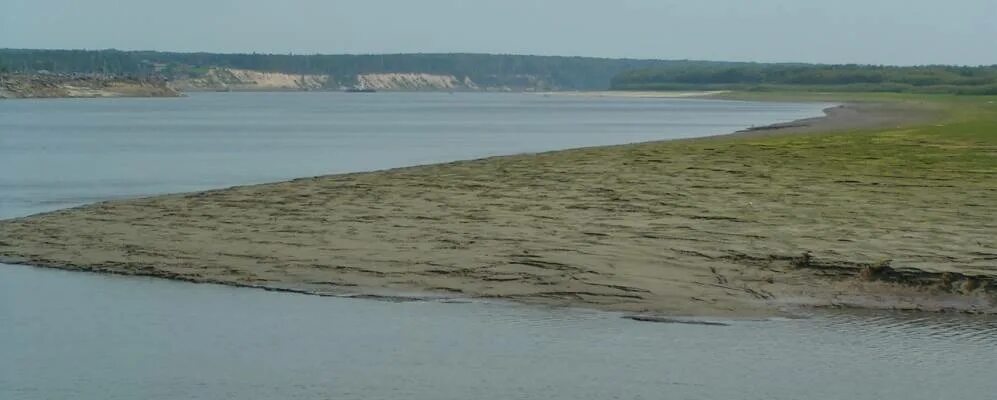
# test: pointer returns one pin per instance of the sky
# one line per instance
(898, 32)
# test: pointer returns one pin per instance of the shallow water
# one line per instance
(66, 335)
(87, 336)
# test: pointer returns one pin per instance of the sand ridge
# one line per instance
(690, 227)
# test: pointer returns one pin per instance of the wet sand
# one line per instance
(738, 225)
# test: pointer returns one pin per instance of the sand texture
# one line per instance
(730, 226)
(249, 80)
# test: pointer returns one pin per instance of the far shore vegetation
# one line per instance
(815, 78)
(524, 72)
(486, 70)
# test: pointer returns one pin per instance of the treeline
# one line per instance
(920, 79)
(519, 71)
(581, 73)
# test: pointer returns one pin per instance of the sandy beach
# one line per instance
(757, 223)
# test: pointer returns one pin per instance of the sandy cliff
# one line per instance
(414, 81)
(226, 79)
(243, 79)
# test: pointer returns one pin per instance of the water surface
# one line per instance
(56, 153)
(66, 335)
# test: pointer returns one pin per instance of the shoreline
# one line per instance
(704, 94)
(540, 252)
(81, 86)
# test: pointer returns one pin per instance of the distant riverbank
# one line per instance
(20, 86)
(857, 213)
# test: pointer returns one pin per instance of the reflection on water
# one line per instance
(88, 336)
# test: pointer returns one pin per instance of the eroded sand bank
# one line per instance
(730, 226)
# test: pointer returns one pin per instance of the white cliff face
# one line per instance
(413, 81)
(248, 80)
(244, 79)
(277, 80)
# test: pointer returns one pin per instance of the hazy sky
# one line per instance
(831, 31)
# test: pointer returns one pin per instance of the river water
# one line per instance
(66, 335)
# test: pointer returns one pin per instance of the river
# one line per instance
(68, 335)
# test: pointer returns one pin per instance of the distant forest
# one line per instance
(865, 78)
(523, 71)
(573, 73)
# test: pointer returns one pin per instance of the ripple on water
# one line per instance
(215, 342)
(886, 325)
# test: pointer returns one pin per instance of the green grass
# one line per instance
(961, 143)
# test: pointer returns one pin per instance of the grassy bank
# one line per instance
(893, 213)
(959, 144)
